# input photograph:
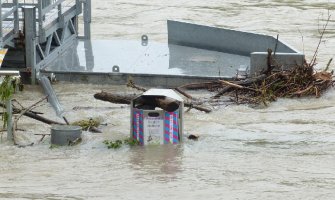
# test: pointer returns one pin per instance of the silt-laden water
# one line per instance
(284, 151)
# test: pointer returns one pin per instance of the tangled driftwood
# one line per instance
(299, 81)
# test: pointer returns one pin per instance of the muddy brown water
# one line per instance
(284, 151)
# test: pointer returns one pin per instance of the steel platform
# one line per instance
(166, 65)
(193, 52)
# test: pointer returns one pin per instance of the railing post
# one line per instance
(1, 34)
(41, 18)
(46, 3)
(30, 39)
(16, 17)
(60, 15)
(87, 19)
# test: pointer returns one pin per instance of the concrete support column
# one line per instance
(30, 39)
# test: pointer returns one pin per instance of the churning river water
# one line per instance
(284, 151)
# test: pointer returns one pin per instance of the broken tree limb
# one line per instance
(30, 107)
(190, 105)
(231, 84)
(150, 102)
(300, 92)
(41, 119)
(246, 82)
(184, 93)
(237, 86)
(164, 103)
(251, 81)
(114, 98)
(178, 89)
(94, 129)
(14, 125)
(126, 99)
(322, 32)
(51, 122)
(222, 92)
(132, 85)
(203, 85)
(33, 115)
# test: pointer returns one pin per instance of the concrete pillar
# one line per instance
(30, 36)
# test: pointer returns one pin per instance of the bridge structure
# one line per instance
(36, 32)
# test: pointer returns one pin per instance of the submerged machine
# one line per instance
(43, 38)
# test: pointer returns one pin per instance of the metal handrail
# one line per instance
(48, 12)
(8, 26)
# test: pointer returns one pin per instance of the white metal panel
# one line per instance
(163, 92)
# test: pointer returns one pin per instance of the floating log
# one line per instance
(164, 103)
(161, 102)
(114, 98)
(33, 115)
(41, 119)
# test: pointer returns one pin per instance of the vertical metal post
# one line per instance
(87, 19)
(76, 19)
(16, 16)
(79, 7)
(9, 110)
(41, 16)
(60, 15)
(30, 35)
(1, 34)
(46, 3)
(89, 55)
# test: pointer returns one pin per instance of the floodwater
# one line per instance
(284, 151)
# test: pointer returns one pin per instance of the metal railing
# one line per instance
(9, 22)
(49, 28)
(48, 14)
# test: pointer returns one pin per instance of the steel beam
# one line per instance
(30, 39)
(1, 33)
(87, 19)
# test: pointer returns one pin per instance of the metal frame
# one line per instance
(9, 22)
(49, 28)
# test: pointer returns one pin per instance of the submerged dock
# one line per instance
(44, 39)
(193, 53)
(157, 64)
